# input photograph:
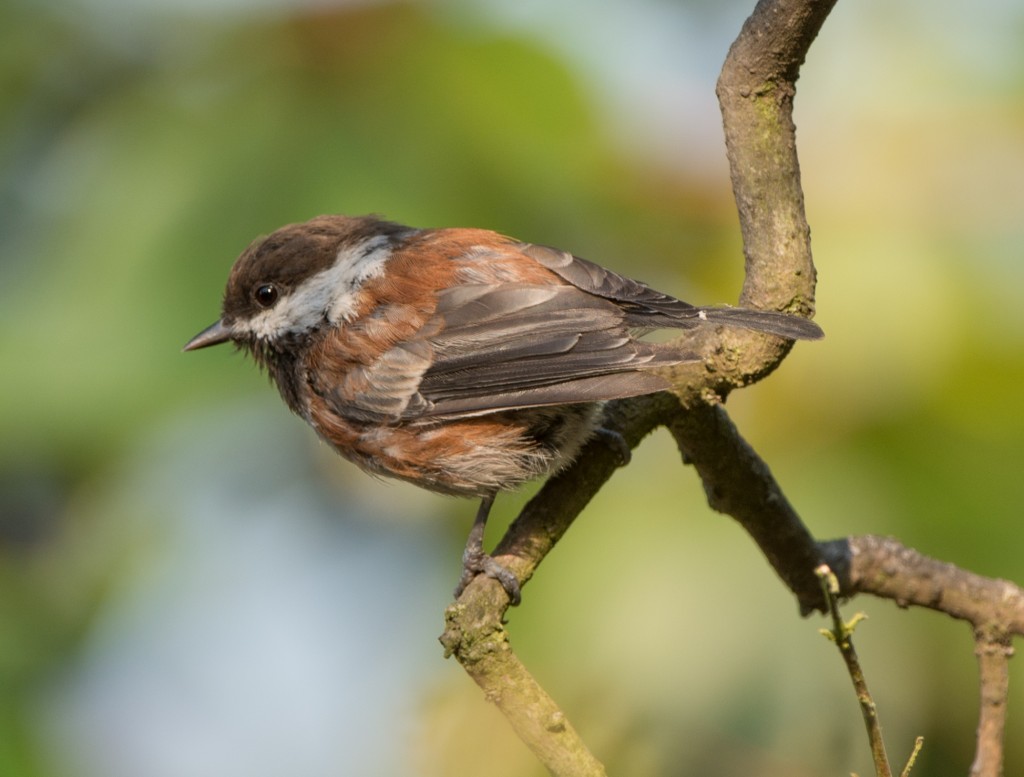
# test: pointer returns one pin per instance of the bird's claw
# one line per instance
(479, 563)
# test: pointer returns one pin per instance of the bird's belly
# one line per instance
(471, 456)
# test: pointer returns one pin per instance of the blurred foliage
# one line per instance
(149, 500)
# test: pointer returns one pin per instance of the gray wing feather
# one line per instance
(518, 345)
(594, 388)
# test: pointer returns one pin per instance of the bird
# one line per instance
(457, 359)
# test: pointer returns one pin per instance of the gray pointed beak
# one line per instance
(215, 334)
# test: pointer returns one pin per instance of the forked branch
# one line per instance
(756, 90)
(781, 278)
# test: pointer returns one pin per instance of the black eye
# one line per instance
(266, 295)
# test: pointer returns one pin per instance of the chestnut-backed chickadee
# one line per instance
(456, 359)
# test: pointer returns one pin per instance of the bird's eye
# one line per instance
(266, 295)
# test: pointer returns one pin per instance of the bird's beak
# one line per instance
(215, 334)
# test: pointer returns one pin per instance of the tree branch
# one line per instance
(756, 90)
(780, 275)
(475, 633)
(994, 650)
(884, 567)
(738, 482)
(994, 608)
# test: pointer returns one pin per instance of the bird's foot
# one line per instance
(616, 442)
(476, 562)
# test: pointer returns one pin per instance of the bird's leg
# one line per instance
(475, 561)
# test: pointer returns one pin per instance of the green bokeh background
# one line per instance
(190, 584)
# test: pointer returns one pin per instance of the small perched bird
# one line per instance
(459, 360)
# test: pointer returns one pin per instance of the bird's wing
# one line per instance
(520, 345)
(502, 345)
(492, 347)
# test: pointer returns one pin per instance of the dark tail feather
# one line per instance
(781, 324)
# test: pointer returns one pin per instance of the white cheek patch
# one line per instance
(330, 294)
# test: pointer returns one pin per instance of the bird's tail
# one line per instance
(771, 322)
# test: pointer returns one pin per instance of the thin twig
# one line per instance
(841, 634)
(912, 759)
